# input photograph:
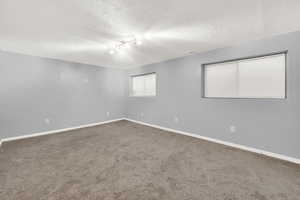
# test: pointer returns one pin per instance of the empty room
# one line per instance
(150, 100)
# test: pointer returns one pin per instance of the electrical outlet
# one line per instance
(176, 120)
(107, 114)
(86, 80)
(142, 114)
(60, 76)
(47, 121)
(232, 129)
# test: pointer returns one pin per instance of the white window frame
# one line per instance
(203, 66)
(140, 75)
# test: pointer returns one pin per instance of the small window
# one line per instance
(260, 77)
(143, 85)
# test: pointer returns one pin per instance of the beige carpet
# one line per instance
(127, 161)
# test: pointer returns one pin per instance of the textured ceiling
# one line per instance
(84, 30)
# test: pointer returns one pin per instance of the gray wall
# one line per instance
(33, 89)
(271, 125)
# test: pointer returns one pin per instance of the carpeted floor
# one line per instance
(127, 161)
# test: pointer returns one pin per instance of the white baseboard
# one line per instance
(258, 151)
(246, 148)
(56, 131)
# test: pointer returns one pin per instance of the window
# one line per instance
(260, 77)
(143, 85)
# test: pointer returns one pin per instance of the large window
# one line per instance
(260, 77)
(143, 85)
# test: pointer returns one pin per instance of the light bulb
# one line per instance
(139, 42)
(148, 36)
(111, 51)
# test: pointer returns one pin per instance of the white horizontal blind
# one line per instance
(220, 80)
(262, 77)
(143, 85)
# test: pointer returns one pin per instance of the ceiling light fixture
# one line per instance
(125, 44)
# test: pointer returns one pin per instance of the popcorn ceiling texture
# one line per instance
(84, 31)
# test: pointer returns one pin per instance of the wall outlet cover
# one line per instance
(176, 119)
(47, 121)
(232, 129)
